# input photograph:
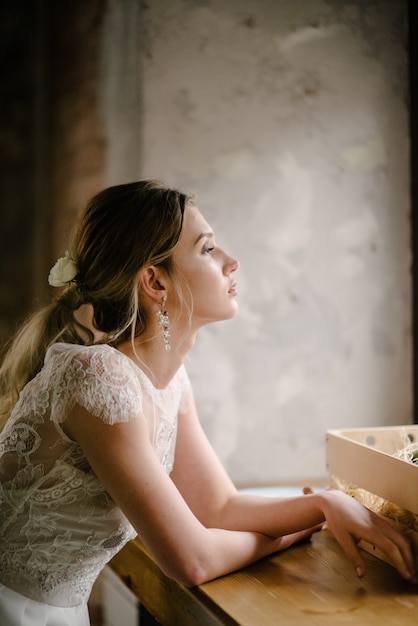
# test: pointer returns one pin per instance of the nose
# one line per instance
(231, 264)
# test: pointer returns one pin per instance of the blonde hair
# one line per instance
(123, 229)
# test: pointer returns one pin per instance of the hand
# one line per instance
(349, 522)
(282, 543)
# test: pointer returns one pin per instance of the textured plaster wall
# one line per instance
(289, 119)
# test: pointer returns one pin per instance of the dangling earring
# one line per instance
(164, 324)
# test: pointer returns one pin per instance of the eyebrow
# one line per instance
(203, 235)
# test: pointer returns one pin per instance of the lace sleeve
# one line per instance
(100, 380)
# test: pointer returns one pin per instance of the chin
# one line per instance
(221, 318)
(232, 314)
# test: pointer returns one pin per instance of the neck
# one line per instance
(152, 357)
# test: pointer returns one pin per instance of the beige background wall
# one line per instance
(289, 118)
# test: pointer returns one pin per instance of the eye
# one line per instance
(207, 249)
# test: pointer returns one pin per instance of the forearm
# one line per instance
(271, 516)
(348, 521)
(221, 552)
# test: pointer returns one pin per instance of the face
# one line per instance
(208, 270)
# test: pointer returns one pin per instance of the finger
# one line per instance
(396, 546)
(302, 535)
(404, 545)
(409, 558)
(398, 549)
(349, 546)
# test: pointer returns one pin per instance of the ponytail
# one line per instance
(26, 353)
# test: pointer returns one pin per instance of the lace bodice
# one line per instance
(58, 526)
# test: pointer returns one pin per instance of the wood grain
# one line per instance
(311, 583)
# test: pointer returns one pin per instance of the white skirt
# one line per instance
(17, 610)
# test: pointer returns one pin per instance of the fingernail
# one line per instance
(359, 572)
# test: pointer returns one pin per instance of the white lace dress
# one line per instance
(58, 526)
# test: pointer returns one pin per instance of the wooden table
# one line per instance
(310, 583)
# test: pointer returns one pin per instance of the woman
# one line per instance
(103, 441)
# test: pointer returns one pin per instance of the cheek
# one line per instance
(197, 286)
(205, 281)
(196, 275)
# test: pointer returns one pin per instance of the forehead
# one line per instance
(194, 224)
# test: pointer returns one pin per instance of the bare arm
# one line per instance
(209, 492)
(185, 549)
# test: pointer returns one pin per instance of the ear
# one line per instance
(152, 281)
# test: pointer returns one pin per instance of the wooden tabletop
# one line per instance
(310, 583)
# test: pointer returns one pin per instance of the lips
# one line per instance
(233, 289)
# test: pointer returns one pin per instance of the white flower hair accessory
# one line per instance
(63, 272)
